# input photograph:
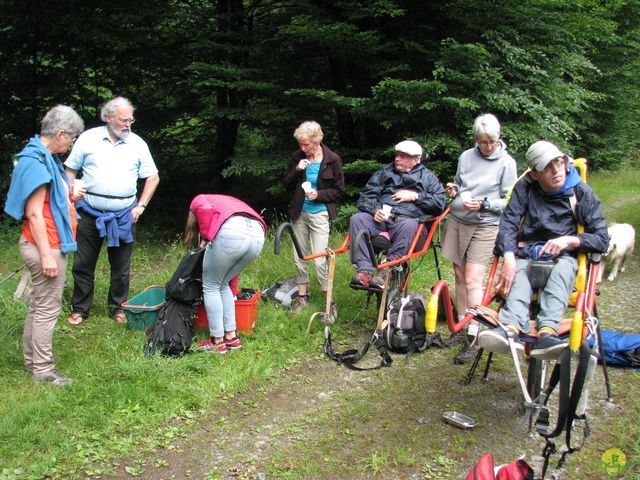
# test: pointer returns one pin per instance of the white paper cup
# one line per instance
(306, 186)
(78, 184)
(465, 196)
(386, 211)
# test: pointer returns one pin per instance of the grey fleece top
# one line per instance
(484, 177)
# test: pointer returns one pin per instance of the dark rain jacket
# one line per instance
(387, 181)
(547, 217)
(330, 182)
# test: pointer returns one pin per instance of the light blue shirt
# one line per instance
(110, 168)
(312, 206)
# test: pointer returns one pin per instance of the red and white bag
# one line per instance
(516, 470)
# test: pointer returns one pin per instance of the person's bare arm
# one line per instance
(150, 185)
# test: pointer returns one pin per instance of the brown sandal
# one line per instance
(120, 317)
(75, 318)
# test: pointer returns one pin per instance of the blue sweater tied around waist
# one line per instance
(116, 226)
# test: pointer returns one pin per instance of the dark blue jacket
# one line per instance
(387, 181)
(550, 216)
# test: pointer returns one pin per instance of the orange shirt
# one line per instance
(52, 231)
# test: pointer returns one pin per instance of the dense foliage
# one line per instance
(220, 85)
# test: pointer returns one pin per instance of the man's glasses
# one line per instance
(485, 143)
(556, 163)
(130, 121)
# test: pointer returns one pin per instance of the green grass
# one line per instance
(124, 404)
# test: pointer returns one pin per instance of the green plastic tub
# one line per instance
(142, 310)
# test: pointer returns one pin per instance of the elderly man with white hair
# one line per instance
(541, 222)
(391, 204)
(112, 158)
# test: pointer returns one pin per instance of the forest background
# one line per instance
(220, 86)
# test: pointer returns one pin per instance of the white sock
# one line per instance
(472, 329)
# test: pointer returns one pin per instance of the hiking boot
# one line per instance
(54, 377)
(361, 279)
(497, 340)
(298, 304)
(379, 279)
(232, 343)
(548, 347)
(468, 352)
(209, 345)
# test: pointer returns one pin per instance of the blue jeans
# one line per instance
(236, 245)
(553, 299)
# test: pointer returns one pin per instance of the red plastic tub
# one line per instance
(246, 315)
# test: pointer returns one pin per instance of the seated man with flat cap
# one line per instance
(541, 221)
(391, 204)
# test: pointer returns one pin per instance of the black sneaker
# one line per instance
(548, 347)
(496, 340)
(468, 351)
(378, 280)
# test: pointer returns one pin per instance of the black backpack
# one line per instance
(186, 283)
(406, 331)
(173, 333)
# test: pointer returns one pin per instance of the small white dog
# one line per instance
(622, 238)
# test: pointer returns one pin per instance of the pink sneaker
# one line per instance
(209, 346)
(232, 343)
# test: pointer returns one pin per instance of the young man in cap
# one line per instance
(545, 208)
(392, 202)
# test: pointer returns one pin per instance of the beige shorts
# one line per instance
(468, 243)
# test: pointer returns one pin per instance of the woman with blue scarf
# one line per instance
(40, 196)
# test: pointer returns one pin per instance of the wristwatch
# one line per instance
(143, 205)
(485, 204)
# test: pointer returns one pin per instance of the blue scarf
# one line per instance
(37, 167)
(116, 226)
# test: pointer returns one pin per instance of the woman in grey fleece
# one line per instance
(485, 175)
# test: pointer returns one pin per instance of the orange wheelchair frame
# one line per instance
(396, 283)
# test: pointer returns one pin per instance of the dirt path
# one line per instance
(321, 420)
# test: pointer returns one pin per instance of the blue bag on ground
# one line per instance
(621, 349)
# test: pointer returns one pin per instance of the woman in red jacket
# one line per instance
(233, 234)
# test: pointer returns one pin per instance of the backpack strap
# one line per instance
(351, 356)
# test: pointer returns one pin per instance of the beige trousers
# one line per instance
(45, 304)
(312, 229)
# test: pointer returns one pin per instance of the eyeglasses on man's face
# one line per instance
(555, 164)
(126, 121)
(487, 143)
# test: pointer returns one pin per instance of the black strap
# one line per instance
(352, 356)
(576, 394)
(110, 197)
(560, 374)
(568, 404)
